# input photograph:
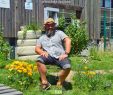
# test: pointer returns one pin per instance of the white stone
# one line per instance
(30, 57)
(26, 42)
(25, 50)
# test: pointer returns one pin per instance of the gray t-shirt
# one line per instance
(53, 45)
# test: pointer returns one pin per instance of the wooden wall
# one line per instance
(11, 19)
(93, 15)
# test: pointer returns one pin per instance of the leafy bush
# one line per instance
(4, 46)
(77, 32)
(3, 63)
(62, 23)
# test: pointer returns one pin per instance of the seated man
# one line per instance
(51, 50)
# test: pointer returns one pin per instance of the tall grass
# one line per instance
(95, 53)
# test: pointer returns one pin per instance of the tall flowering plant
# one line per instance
(87, 79)
(21, 73)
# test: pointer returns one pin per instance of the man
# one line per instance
(51, 50)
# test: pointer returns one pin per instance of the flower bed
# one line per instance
(21, 73)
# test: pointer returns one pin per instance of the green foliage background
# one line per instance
(76, 30)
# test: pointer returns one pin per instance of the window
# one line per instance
(108, 3)
(52, 14)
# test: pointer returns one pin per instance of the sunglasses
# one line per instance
(50, 25)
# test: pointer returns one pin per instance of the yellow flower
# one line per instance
(84, 73)
(35, 68)
(30, 74)
(19, 71)
(92, 73)
(24, 70)
(86, 68)
(7, 66)
(21, 67)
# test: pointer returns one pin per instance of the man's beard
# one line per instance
(50, 33)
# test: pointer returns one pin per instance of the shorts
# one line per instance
(63, 64)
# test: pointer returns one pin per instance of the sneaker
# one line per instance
(45, 86)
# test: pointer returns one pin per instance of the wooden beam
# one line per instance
(63, 6)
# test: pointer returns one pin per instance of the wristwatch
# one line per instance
(66, 53)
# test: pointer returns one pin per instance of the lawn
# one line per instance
(85, 81)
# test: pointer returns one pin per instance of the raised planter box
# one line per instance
(30, 34)
(25, 49)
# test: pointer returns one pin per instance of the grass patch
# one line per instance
(105, 62)
(81, 85)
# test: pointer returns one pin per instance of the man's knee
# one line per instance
(67, 67)
(39, 63)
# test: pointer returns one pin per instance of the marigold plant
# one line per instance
(21, 73)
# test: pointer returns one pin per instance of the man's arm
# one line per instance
(67, 42)
(40, 51)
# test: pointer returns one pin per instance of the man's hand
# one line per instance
(62, 57)
(39, 50)
(44, 54)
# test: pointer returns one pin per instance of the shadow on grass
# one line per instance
(53, 80)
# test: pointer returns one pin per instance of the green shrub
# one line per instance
(3, 63)
(62, 23)
(4, 46)
(77, 32)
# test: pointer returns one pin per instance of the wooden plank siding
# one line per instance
(14, 17)
(93, 18)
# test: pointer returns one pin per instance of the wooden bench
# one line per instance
(6, 90)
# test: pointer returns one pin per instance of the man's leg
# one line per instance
(66, 67)
(42, 70)
(62, 76)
